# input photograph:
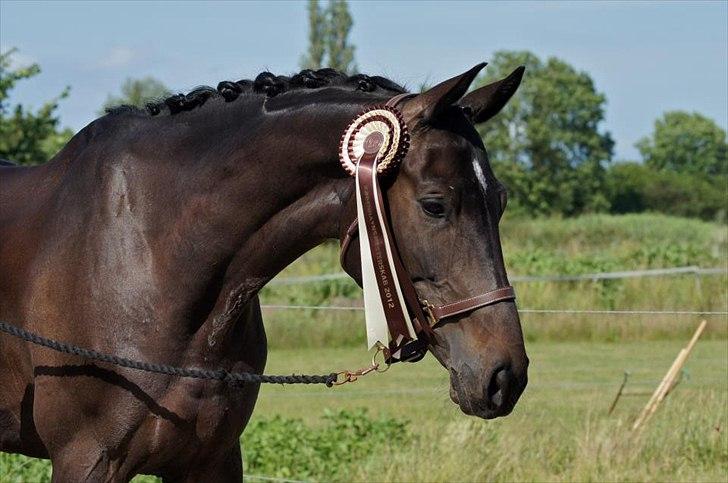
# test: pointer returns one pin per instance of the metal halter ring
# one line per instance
(375, 364)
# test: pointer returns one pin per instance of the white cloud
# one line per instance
(117, 57)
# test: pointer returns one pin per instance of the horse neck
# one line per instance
(264, 200)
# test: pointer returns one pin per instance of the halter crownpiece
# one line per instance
(393, 145)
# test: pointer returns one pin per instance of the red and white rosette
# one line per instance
(373, 145)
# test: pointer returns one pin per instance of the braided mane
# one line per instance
(267, 84)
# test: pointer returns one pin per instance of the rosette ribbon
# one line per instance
(371, 147)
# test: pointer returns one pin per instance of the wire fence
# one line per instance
(271, 478)
(707, 313)
(657, 272)
(660, 272)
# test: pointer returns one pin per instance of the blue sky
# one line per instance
(647, 57)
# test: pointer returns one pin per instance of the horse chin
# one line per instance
(477, 410)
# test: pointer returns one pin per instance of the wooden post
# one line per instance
(667, 382)
(658, 391)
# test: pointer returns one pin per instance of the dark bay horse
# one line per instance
(150, 234)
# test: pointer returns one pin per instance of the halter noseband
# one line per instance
(424, 315)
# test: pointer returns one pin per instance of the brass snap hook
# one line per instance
(351, 376)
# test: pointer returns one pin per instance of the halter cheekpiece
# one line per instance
(398, 322)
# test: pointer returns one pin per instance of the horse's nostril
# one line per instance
(498, 387)
(497, 398)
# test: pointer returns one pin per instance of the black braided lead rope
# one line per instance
(218, 375)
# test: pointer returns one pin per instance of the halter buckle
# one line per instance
(428, 307)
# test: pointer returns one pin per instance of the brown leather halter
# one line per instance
(425, 316)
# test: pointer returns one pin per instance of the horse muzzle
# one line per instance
(487, 394)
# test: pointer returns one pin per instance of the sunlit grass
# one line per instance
(560, 430)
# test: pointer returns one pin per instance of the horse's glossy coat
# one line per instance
(149, 238)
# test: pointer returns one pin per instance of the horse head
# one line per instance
(445, 204)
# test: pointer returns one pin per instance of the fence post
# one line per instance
(666, 383)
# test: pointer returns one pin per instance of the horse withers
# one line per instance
(150, 233)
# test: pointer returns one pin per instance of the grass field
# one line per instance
(560, 430)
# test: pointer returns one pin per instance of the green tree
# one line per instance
(27, 137)
(686, 143)
(340, 51)
(316, 33)
(547, 145)
(328, 37)
(137, 92)
(635, 187)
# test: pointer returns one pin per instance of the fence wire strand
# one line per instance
(707, 313)
(653, 272)
(272, 478)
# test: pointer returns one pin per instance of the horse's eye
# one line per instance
(433, 207)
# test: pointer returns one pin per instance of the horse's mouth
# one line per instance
(477, 406)
(459, 395)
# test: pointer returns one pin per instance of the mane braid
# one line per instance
(267, 84)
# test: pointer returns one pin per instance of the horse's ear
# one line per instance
(486, 102)
(432, 102)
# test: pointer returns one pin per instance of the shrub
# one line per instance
(286, 447)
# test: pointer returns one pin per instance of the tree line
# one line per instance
(548, 146)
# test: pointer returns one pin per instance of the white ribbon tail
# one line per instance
(376, 321)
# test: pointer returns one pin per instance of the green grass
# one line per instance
(583, 245)
(559, 431)
(607, 242)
